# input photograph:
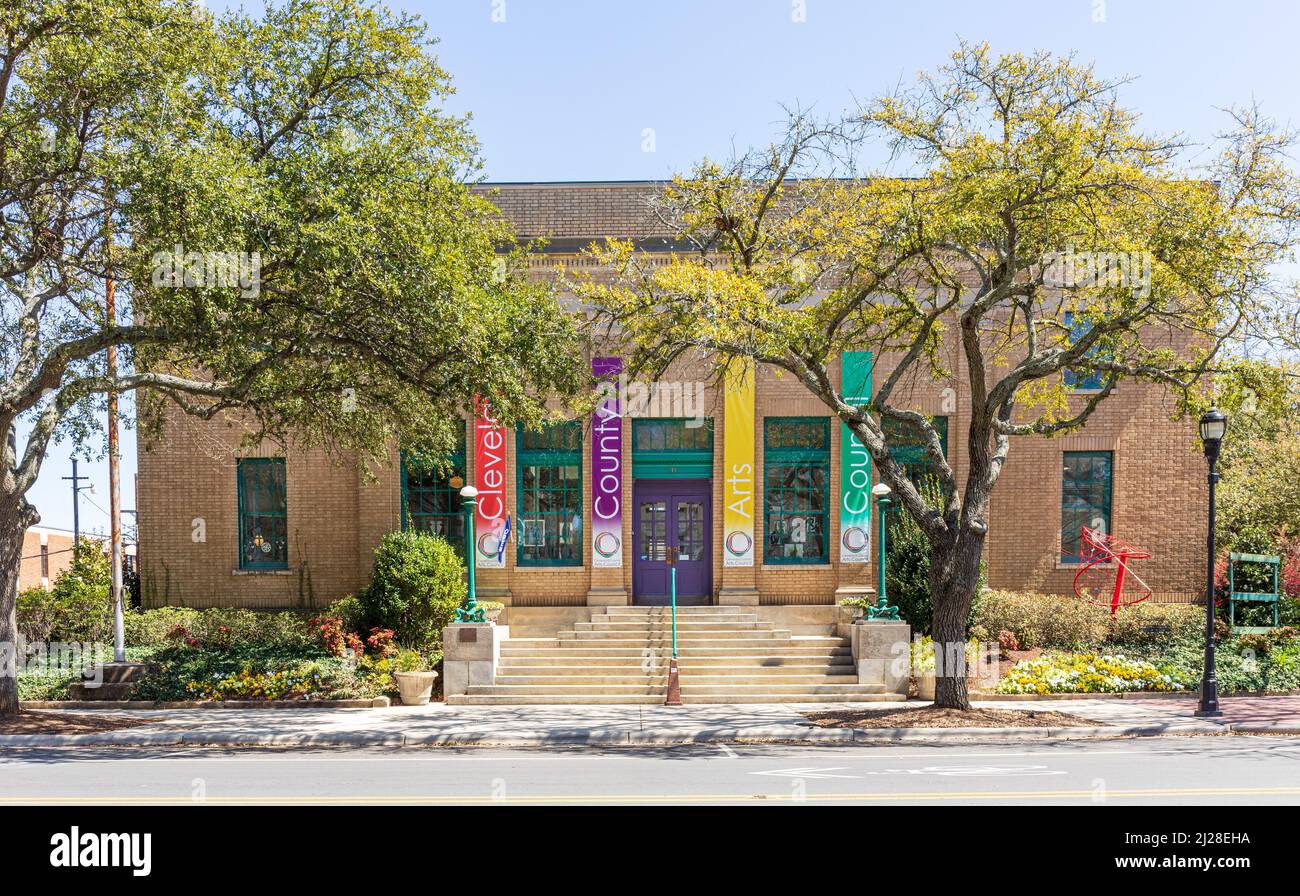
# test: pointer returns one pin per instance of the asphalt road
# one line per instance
(1150, 771)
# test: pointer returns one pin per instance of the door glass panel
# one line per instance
(690, 530)
(654, 530)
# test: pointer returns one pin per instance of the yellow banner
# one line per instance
(738, 470)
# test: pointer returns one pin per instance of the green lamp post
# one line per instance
(882, 609)
(471, 612)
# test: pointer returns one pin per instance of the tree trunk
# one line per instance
(954, 576)
(15, 517)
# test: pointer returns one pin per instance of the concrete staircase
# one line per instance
(725, 655)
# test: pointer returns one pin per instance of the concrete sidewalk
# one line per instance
(518, 726)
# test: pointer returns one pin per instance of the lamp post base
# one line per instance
(1208, 713)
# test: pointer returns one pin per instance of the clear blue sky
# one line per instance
(564, 89)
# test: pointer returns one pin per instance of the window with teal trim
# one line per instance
(1080, 380)
(263, 513)
(549, 464)
(906, 443)
(672, 434)
(796, 492)
(1085, 499)
(431, 503)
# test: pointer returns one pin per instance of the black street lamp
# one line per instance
(1213, 426)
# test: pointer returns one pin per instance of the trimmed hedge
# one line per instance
(1046, 620)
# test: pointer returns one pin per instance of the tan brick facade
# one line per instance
(336, 516)
(46, 553)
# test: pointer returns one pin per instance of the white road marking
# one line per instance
(808, 772)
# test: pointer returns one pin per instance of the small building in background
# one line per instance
(46, 553)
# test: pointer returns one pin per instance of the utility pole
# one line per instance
(76, 502)
(114, 490)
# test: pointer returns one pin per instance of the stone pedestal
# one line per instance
(882, 653)
(607, 596)
(470, 653)
(107, 681)
(738, 597)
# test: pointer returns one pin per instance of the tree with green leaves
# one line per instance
(287, 216)
(1041, 237)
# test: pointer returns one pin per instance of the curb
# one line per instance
(1265, 727)
(614, 737)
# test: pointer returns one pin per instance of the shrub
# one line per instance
(381, 641)
(1239, 668)
(1089, 673)
(1150, 623)
(37, 614)
(220, 628)
(351, 612)
(77, 608)
(416, 588)
(907, 567)
(1042, 620)
(1047, 620)
(907, 564)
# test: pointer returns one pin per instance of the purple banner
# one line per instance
(607, 467)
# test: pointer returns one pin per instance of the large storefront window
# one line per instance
(550, 495)
(263, 513)
(906, 443)
(796, 494)
(432, 503)
(672, 448)
(1085, 499)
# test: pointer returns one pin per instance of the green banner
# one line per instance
(855, 464)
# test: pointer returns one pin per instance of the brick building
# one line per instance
(47, 552)
(224, 526)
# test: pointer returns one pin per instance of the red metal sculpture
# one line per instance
(1105, 558)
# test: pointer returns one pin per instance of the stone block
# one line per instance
(881, 652)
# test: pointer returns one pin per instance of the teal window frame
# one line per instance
(906, 446)
(430, 487)
(1088, 382)
(261, 504)
(1084, 498)
(779, 453)
(554, 447)
(676, 456)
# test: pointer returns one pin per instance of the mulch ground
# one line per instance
(934, 717)
(36, 721)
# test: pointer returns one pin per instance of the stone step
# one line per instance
(660, 678)
(653, 611)
(566, 659)
(740, 690)
(666, 619)
(631, 689)
(108, 690)
(694, 634)
(551, 699)
(658, 699)
(576, 650)
(793, 697)
(659, 625)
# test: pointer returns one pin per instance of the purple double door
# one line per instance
(672, 514)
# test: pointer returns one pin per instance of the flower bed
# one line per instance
(1090, 673)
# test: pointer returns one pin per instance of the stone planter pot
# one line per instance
(493, 615)
(925, 686)
(415, 688)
